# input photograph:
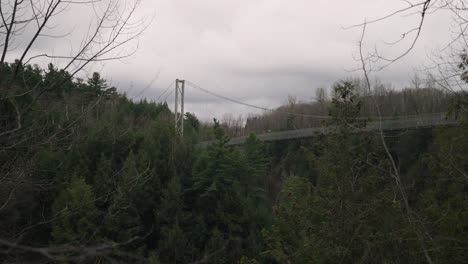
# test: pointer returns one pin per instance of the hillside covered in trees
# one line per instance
(416, 100)
(89, 176)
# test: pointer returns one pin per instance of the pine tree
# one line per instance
(174, 246)
(76, 214)
(229, 197)
(350, 214)
(174, 243)
(123, 220)
(97, 85)
(104, 181)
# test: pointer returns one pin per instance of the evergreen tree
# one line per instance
(76, 214)
(104, 181)
(174, 244)
(97, 84)
(229, 197)
(123, 220)
(179, 203)
(350, 214)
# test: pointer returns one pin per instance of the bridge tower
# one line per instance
(179, 109)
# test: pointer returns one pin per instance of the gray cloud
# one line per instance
(257, 51)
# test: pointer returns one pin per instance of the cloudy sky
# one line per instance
(261, 51)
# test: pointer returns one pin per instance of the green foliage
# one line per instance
(245, 260)
(123, 219)
(351, 212)
(104, 180)
(153, 259)
(443, 203)
(229, 197)
(290, 238)
(175, 247)
(346, 104)
(75, 213)
(96, 167)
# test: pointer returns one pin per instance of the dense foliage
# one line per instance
(356, 209)
(89, 176)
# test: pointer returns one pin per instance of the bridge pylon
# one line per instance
(179, 106)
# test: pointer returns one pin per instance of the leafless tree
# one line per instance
(233, 126)
(112, 27)
(395, 172)
(111, 32)
(445, 70)
(446, 66)
(24, 23)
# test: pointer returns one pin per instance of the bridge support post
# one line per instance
(179, 109)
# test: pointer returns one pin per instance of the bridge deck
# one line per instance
(387, 125)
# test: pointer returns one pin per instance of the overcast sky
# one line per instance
(261, 51)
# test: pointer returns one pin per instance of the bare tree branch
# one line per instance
(396, 172)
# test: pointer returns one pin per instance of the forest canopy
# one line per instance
(90, 175)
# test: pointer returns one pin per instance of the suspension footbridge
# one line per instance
(427, 121)
(370, 123)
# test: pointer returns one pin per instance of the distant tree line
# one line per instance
(417, 99)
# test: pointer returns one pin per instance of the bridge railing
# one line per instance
(388, 124)
(420, 121)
